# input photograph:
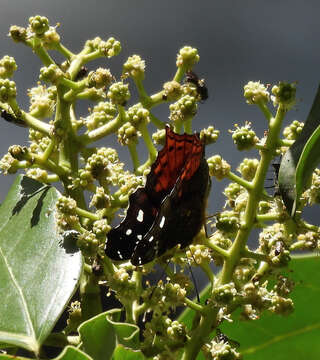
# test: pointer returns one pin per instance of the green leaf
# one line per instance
(101, 334)
(275, 337)
(72, 353)
(38, 274)
(121, 353)
(300, 160)
(127, 334)
(12, 357)
(98, 337)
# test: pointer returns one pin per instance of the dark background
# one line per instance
(238, 41)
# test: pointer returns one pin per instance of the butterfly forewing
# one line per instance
(169, 210)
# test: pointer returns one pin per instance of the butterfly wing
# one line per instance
(181, 213)
(122, 240)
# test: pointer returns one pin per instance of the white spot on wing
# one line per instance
(151, 239)
(120, 256)
(129, 232)
(139, 237)
(140, 216)
(163, 219)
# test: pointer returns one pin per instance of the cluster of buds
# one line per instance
(284, 94)
(184, 109)
(163, 336)
(274, 242)
(244, 137)
(292, 131)
(218, 167)
(101, 114)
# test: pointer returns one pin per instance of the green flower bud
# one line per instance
(244, 137)
(51, 38)
(100, 78)
(18, 33)
(88, 243)
(232, 191)
(313, 193)
(9, 165)
(281, 305)
(134, 67)
(199, 254)
(101, 228)
(292, 131)
(51, 74)
(284, 94)
(184, 109)
(7, 90)
(209, 135)
(218, 167)
(127, 134)
(66, 216)
(18, 152)
(39, 24)
(159, 137)
(228, 222)
(220, 239)
(172, 91)
(107, 107)
(256, 93)
(96, 119)
(119, 93)
(75, 316)
(7, 67)
(248, 168)
(38, 174)
(137, 115)
(42, 101)
(108, 48)
(224, 294)
(264, 207)
(187, 57)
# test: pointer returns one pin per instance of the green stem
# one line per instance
(157, 122)
(64, 51)
(134, 156)
(254, 255)
(254, 197)
(269, 217)
(200, 334)
(210, 243)
(239, 180)
(36, 124)
(90, 295)
(266, 112)
(87, 214)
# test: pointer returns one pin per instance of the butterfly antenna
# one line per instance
(193, 278)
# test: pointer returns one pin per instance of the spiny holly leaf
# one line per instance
(38, 274)
(300, 160)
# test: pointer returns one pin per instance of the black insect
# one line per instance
(202, 90)
(221, 337)
(12, 118)
(82, 73)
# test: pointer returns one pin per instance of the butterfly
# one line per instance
(170, 209)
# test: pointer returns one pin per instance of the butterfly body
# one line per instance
(170, 209)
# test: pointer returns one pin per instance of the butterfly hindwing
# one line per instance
(122, 240)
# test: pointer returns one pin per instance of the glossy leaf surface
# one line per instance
(38, 274)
